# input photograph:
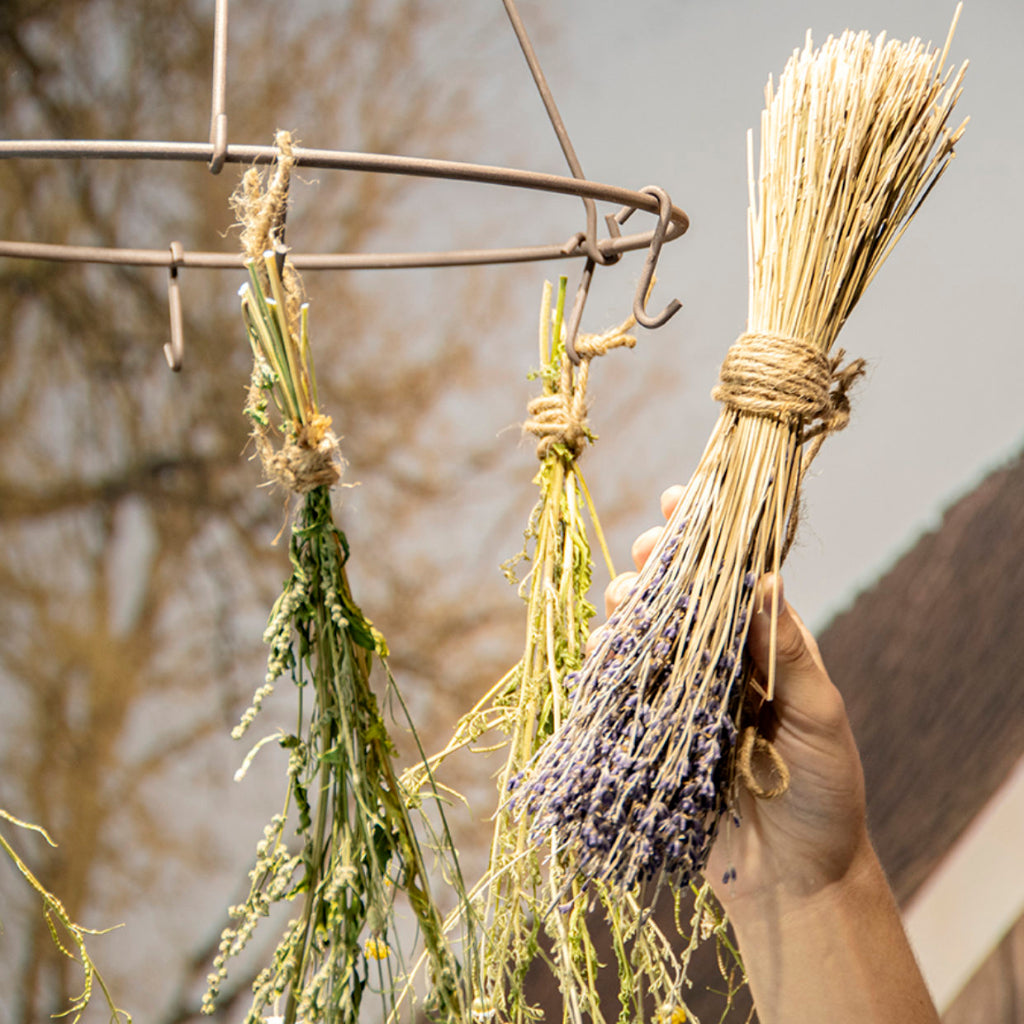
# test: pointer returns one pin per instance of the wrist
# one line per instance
(834, 951)
(800, 885)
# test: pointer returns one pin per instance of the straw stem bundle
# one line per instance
(852, 141)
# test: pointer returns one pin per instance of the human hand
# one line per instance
(815, 833)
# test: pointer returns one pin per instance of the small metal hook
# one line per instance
(174, 350)
(572, 328)
(643, 288)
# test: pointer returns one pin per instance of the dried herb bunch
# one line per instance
(358, 860)
(68, 936)
(637, 779)
(535, 908)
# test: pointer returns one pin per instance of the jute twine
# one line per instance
(304, 462)
(792, 380)
(310, 456)
(261, 202)
(769, 374)
(561, 418)
(760, 766)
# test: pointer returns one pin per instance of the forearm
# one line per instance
(839, 955)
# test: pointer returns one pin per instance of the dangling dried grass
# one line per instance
(67, 936)
(852, 142)
(298, 451)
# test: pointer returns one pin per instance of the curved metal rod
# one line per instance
(589, 238)
(320, 261)
(203, 152)
(672, 222)
(658, 238)
(610, 248)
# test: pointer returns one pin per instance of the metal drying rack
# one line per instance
(671, 223)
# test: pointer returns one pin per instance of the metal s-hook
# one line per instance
(174, 350)
(643, 288)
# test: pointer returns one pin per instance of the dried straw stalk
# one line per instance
(852, 142)
(67, 936)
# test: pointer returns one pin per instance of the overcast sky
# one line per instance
(663, 92)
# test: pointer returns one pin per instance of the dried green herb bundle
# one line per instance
(358, 859)
(636, 781)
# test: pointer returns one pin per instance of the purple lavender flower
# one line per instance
(634, 783)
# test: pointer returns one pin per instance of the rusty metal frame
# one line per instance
(671, 223)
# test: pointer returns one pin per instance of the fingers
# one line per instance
(795, 648)
(670, 498)
(617, 591)
(644, 544)
(614, 594)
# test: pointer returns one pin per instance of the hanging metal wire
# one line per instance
(671, 221)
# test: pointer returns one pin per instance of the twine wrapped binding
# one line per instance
(768, 374)
(309, 456)
(561, 418)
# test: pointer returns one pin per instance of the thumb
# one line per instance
(790, 658)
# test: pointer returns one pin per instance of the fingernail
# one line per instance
(765, 587)
(670, 498)
(624, 585)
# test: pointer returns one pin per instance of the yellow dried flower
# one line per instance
(482, 1010)
(672, 1013)
(376, 949)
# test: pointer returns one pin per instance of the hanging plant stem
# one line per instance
(67, 936)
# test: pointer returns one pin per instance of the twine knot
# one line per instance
(770, 374)
(308, 459)
(560, 417)
(557, 419)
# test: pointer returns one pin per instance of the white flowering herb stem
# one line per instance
(348, 852)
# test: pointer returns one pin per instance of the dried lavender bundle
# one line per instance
(636, 781)
(358, 858)
(534, 908)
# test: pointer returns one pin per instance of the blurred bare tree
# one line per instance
(137, 566)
